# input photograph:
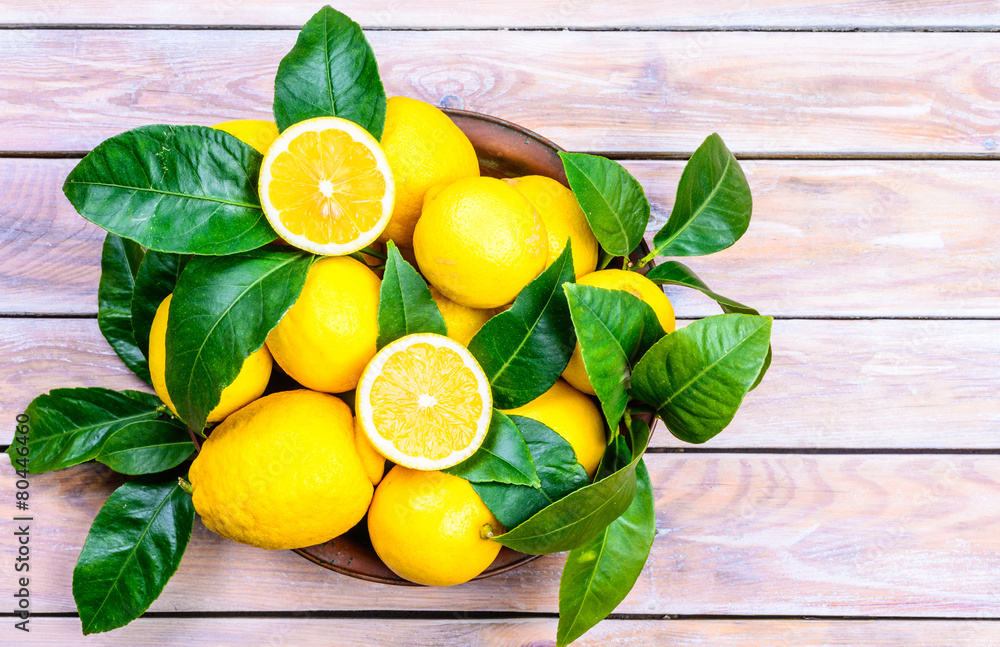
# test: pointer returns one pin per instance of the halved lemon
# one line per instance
(424, 402)
(326, 186)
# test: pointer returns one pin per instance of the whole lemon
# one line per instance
(282, 472)
(247, 387)
(563, 218)
(575, 417)
(463, 322)
(258, 133)
(371, 460)
(327, 337)
(480, 242)
(635, 284)
(424, 147)
(431, 528)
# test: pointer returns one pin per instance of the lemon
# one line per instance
(463, 322)
(282, 472)
(575, 417)
(424, 402)
(635, 284)
(480, 242)
(424, 147)
(373, 462)
(325, 339)
(247, 387)
(431, 528)
(326, 187)
(563, 218)
(257, 133)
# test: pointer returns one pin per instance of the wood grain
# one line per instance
(534, 632)
(647, 14)
(741, 535)
(827, 239)
(841, 384)
(765, 93)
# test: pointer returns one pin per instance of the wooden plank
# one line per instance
(742, 535)
(846, 384)
(899, 93)
(647, 14)
(872, 238)
(239, 632)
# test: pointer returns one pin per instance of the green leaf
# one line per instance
(579, 516)
(331, 72)
(696, 377)
(614, 329)
(525, 349)
(613, 200)
(133, 548)
(503, 457)
(147, 447)
(712, 208)
(616, 456)
(184, 189)
(68, 426)
(157, 277)
(558, 471)
(120, 261)
(405, 304)
(222, 310)
(598, 575)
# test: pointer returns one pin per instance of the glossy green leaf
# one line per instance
(574, 519)
(156, 279)
(147, 447)
(503, 457)
(558, 471)
(68, 426)
(330, 72)
(525, 349)
(120, 261)
(613, 201)
(222, 310)
(712, 208)
(697, 376)
(405, 304)
(614, 329)
(133, 548)
(598, 575)
(185, 189)
(616, 456)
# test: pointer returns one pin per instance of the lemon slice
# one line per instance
(326, 186)
(424, 402)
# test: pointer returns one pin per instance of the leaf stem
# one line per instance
(371, 251)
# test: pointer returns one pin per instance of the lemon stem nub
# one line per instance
(486, 532)
(184, 485)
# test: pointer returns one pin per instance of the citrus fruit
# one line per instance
(575, 417)
(373, 462)
(247, 387)
(635, 284)
(424, 402)
(463, 322)
(431, 527)
(282, 472)
(326, 186)
(325, 339)
(257, 133)
(480, 242)
(563, 218)
(424, 147)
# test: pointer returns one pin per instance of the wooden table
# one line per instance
(856, 497)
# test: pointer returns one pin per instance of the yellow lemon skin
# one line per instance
(563, 218)
(328, 336)
(429, 527)
(480, 242)
(635, 284)
(463, 322)
(247, 387)
(424, 147)
(575, 417)
(373, 462)
(282, 472)
(258, 133)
